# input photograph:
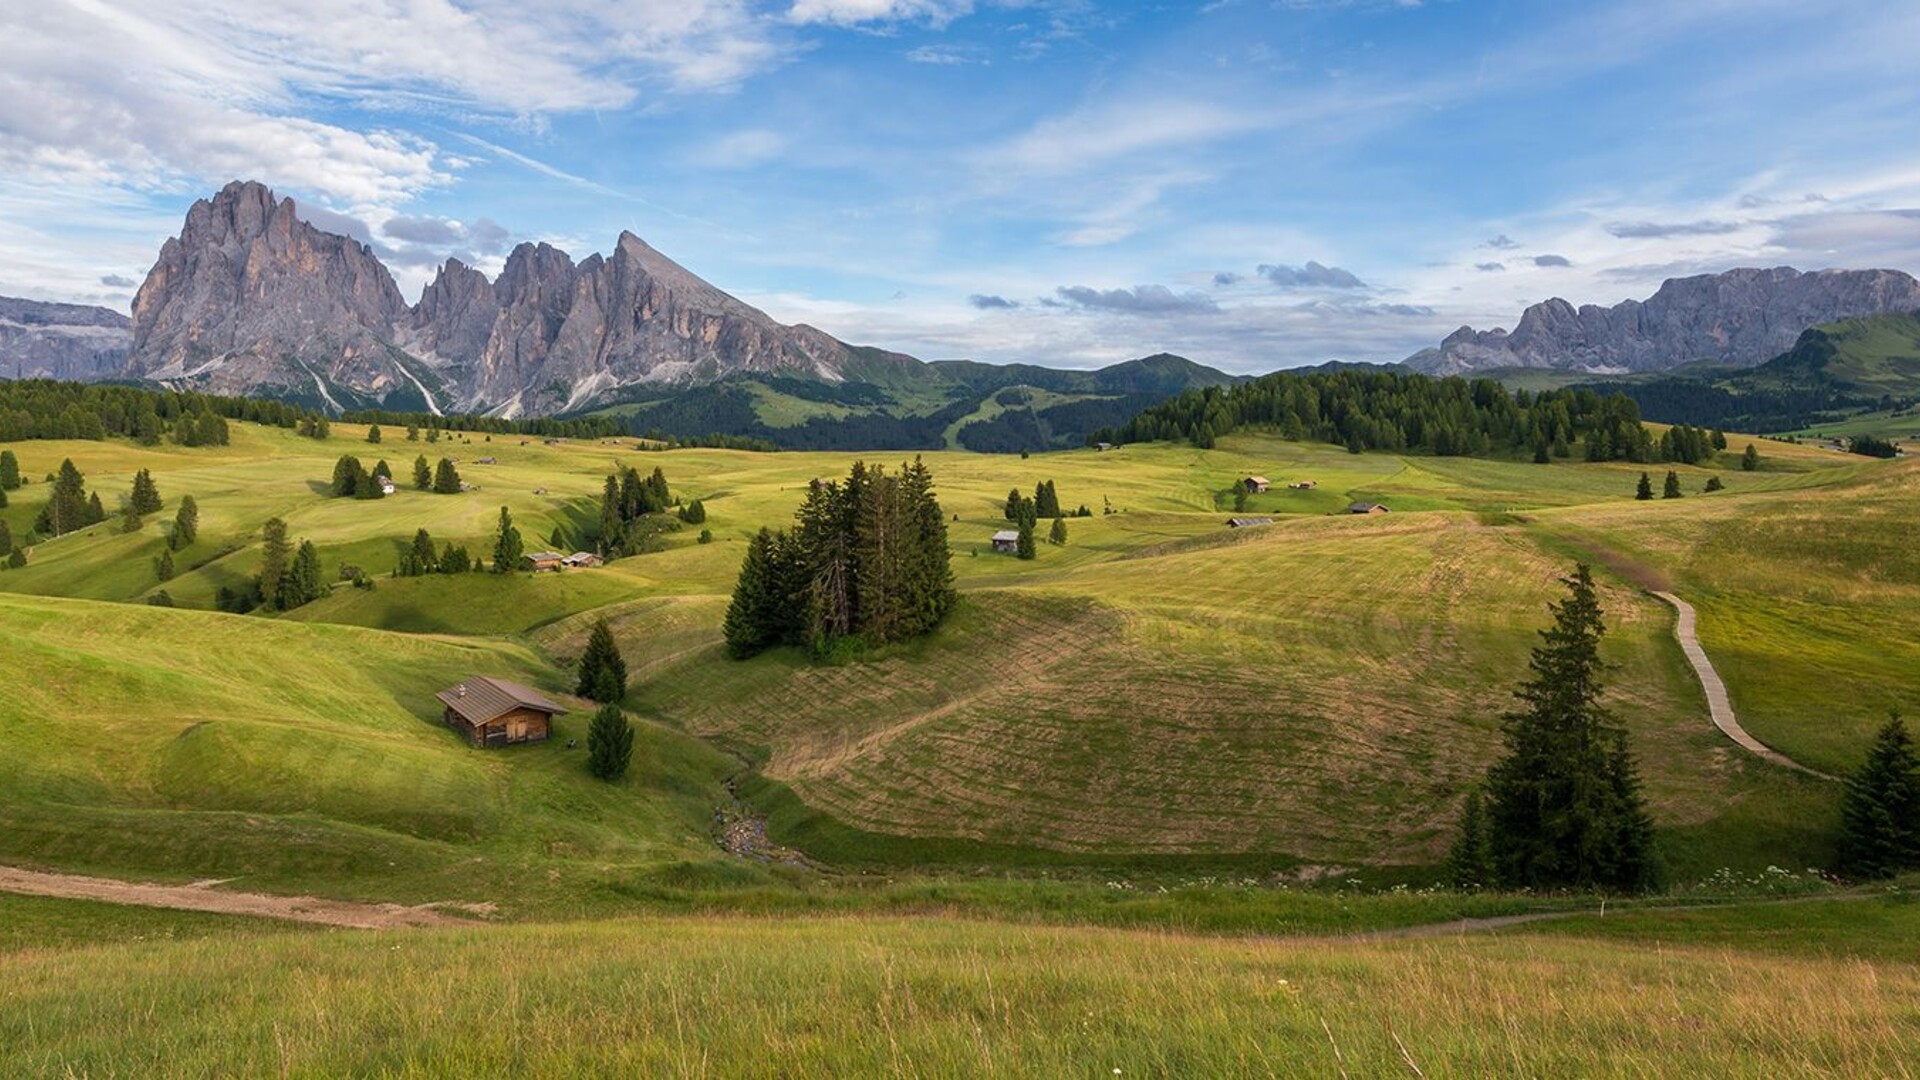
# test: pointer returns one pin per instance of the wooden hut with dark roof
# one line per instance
(496, 712)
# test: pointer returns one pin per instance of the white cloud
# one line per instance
(858, 12)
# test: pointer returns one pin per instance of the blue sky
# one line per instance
(1254, 184)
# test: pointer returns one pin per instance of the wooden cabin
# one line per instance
(1006, 542)
(1256, 485)
(1366, 508)
(541, 560)
(495, 712)
(583, 560)
(1303, 485)
(1103, 447)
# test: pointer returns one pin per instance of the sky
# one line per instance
(1254, 184)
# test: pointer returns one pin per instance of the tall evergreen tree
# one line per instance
(609, 743)
(1880, 814)
(9, 471)
(1014, 499)
(303, 583)
(6, 540)
(373, 434)
(276, 554)
(757, 613)
(67, 506)
(163, 566)
(130, 519)
(603, 674)
(1645, 490)
(694, 513)
(1470, 863)
(381, 470)
(1750, 459)
(422, 474)
(186, 524)
(419, 558)
(1059, 533)
(348, 477)
(17, 558)
(1564, 806)
(146, 496)
(1023, 546)
(96, 513)
(446, 479)
(1671, 490)
(507, 546)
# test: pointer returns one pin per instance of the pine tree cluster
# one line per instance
(69, 507)
(603, 673)
(609, 743)
(1689, 445)
(1880, 814)
(625, 506)
(865, 562)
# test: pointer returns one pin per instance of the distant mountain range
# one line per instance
(61, 341)
(1738, 318)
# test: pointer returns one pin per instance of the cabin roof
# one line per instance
(1243, 522)
(1006, 536)
(483, 698)
(1364, 507)
(1259, 479)
(544, 556)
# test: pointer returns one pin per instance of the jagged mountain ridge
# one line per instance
(1741, 317)
(252, 299)
(40, 340)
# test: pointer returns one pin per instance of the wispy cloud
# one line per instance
(1311, 276)
(1139, 300)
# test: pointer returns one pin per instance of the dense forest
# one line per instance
(1387, 410)
(865, 563)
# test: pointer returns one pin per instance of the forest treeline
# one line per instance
(1397, 411)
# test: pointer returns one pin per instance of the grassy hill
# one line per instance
(1813, 990)
(1159, 695)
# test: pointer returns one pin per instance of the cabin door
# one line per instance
(516, 728)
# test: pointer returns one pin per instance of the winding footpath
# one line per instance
(202, 896)
(1717, 701)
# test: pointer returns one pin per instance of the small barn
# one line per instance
(496, 712)
(1006, 542)
(1247, 522)
(385, 484)
(1103, 447)
(1365, 508)
(542, 560)
(1303, 485)
(1256, 485)
(583, 560)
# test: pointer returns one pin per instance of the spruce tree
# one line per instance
(1713, 484)
(303, 583)
(1023, 547)
(1059, 534)
(1564, 806)
(6, 540)
(694, 513)
(9, 471)
(413, 433)
(507, 546)
(1750, 460)
(162, 598)
(348, 477)
(130, 520)
(422, 473)
(446, 479)
(17, 558)
(603, 674)
(1880, 814)
(1645, 490)
(186, 524)
(146, 496)
(754, 614)
(419, 558)
(163, 567)
(381, 470)
(96, 513)
(1671, 490)
(609, 743)
(275, 556)
(1470, 860)
(1014, 499)
(373, 434)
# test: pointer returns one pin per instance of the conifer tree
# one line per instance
(1023, 547)
(381, 470)
(1564, 805)
(1059, 534)
(454, 560)
(1671, 490)
(603, 674)
(146, 496)
(186, 524)
(1750, 459)
(413, 433)
(419, 558)
(1645, 490)
(609, 743)
(3, 498)
(275, 556)
(422, 474)
(161, 598)
(17, 558)
(694, 513)
(1470, 860)
(754, 615)
(303, 583)
(6, 540)
(507, 546)
(96, 513)
(163, 567)
(373, 434)
(1713, 484)
(446, 479)
(1880, 814)
(67, 506)
(348, 477)
(130, 520)
(9, 471)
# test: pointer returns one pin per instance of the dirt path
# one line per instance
(1717, 702)
(202, 896)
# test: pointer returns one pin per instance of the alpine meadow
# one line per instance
(1164, 542)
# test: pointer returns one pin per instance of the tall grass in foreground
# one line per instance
(888, 997)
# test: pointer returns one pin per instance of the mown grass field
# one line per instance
(1634, 995)
(1310, 698)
